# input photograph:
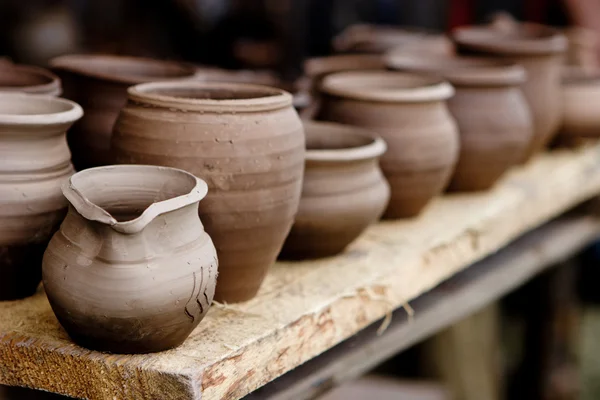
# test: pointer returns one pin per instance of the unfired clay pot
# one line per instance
(99, 83)
(34, 162)
(493, 117)
(343, 192)
(28, 79)
(581, 97)
(540, 51)
(131, 269)
(410, 113)
(247, 142)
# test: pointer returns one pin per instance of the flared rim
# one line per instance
(50, 85)
(37, 109)
(318, 66)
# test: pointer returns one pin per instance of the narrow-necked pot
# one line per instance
(247, 142)
(34, 162)
(28, 79)
(540, 50)
(343, 192)
(99, 83)
(131, 269)
(581, 96)
(409, 111)
(493, 117)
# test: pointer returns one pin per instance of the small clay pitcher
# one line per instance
(28, 79)
(247, 142)
(343, 192)
(540, 50)
(34, 162)
(131, 269)
(492, 114)
(410, 113)
(581, 96)
(99, 83)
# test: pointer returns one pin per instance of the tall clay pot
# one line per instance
(410, 113)
(247, 142)
(28, 79)
(99, 83)
(540, 51)
(34, 162)
(492, 114)
(131, 269)
(343, 192)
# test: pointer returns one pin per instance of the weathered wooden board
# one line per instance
(303, 308)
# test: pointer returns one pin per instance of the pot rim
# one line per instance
(317, 66)
(83, 64)
(376, 148)
(93, 212)
(267, 98)
(379, 86)
(459, 70)
(532, 39)
(52, 87)
(71, 112)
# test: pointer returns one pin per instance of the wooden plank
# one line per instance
(303, 309)
(461, 295)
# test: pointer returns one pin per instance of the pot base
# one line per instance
(20, 270)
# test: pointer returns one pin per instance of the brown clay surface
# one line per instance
(28, 79)
(247, 143)
(581, 96)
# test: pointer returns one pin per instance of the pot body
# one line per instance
(253, 162)
(495, 133)
(580, 97)
(130, 292)
(422, 141)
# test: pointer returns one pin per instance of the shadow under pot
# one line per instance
(99, 83)
(247, 142)
(28, 79)
(343, 191)
(540, 50)
(493, 117)
(409, 112)
(131, 269)
(34, 163)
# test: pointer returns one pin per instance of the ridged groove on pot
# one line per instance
(247, 142)
(34, 162)
(581, 96)
(99, 83)
(410, 113)
(28, 79)
(344, 190)
(493, 117)
(539, 49)
(131, 269)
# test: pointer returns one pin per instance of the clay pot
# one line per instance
(34, 162)
(410, 113)
(28, 79)
(343, 192)
(99, 83)
(582, 49)
(131, 269)
(539, 50)
(581, 96)
(247, 142)
(491, 112)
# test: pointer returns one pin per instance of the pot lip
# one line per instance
(479, 37)
(459, 70)
(316, 66)
(96, 213)
(83, 64)
(374, 149)
(347, 85)
(268, 98)
(52, 87)
(70, 115)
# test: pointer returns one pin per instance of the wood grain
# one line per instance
(303, 308)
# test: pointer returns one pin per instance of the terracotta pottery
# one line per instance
(34, 162)
(491, 112)
(28, 79)
(343, 192)
(582, 49)
(131, 269)
(581, 96)
(539, 49)
(247, 142)
(410, 113)
(99, 83)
